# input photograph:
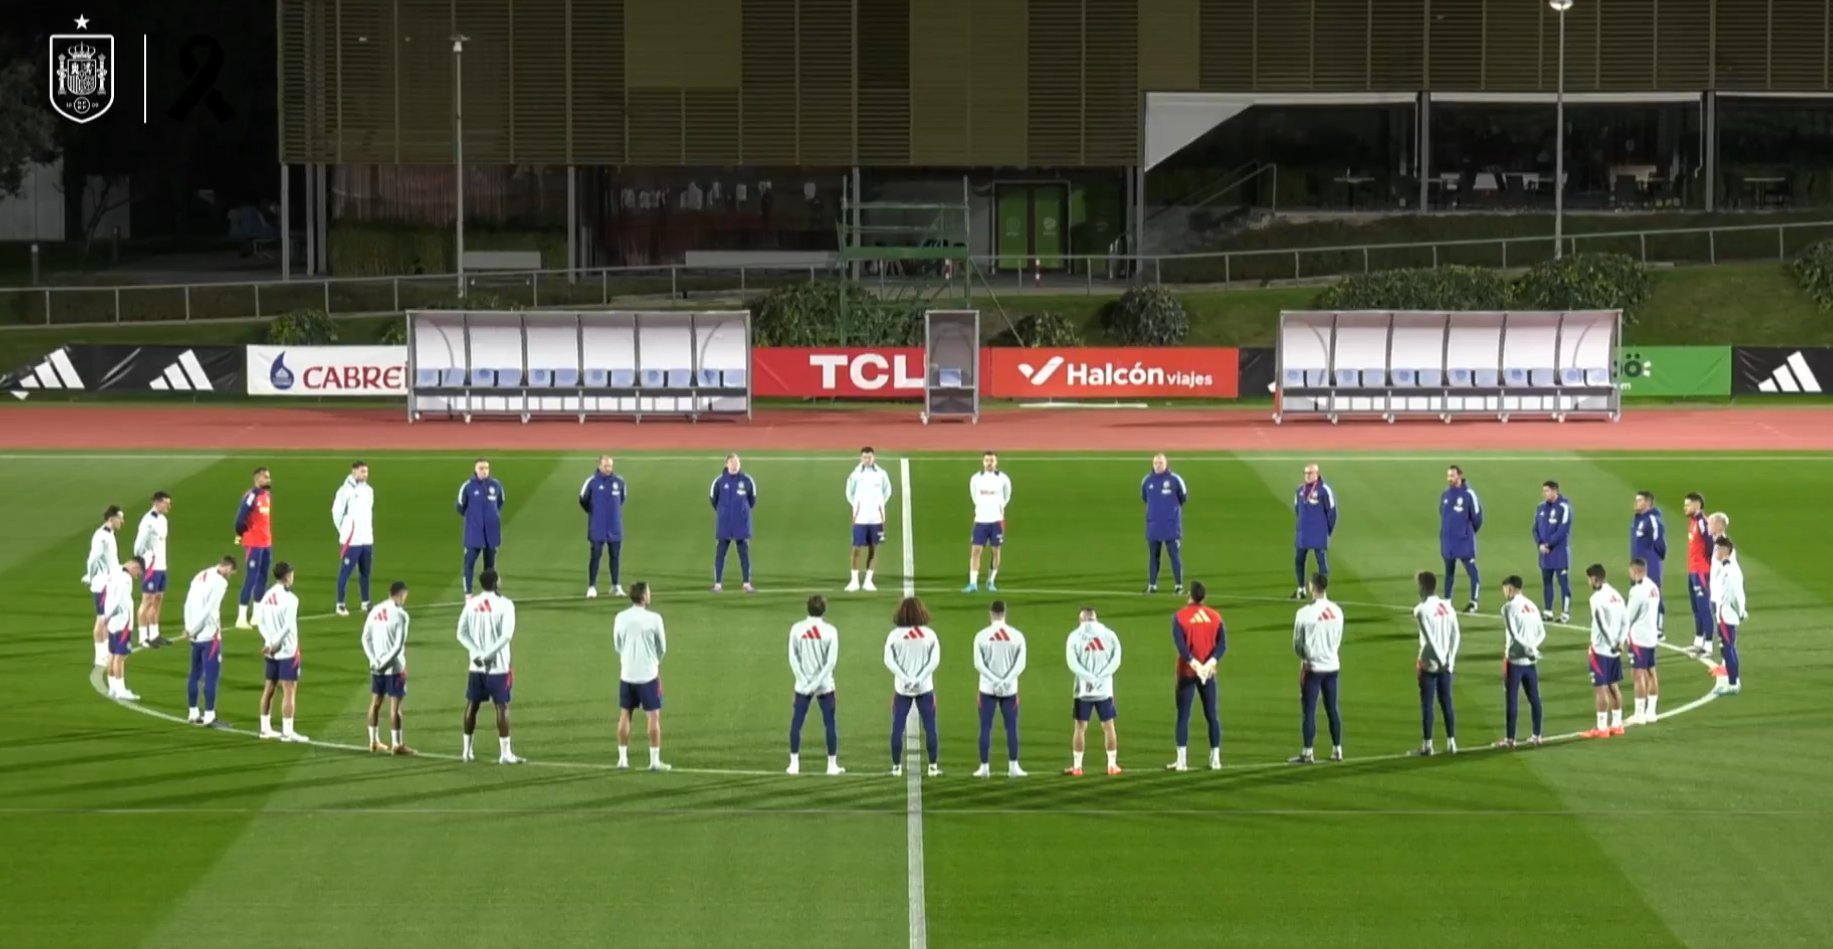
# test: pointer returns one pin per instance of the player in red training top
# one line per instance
(1699, 573)
(1201, 638)
(254, 530)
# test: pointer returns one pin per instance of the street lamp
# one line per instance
(458, 144)
(1559, 134)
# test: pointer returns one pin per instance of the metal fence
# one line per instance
(78, 305)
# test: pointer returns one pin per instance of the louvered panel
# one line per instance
(656, 46)
(1683, 44)
(538, 81)
(1282, 59)
(1225, 46)
(427, 81)
(1797, 45)
(1110, 87)
(1340, 57)
(1514, 56)
(768, 95)
(293, 120)
(711, 43)
(1457, 49)
(1000, 64)
(884, 81)
(1397, 41)
(490, 78)
(824, 74)
(597, 54)
(321, 80)
(1054, 80)
(1583, 67)
(365, 104)
(1627, 40)
(1170, 45)
(1742, 59)
(941, 69)
(655, 126)
(712, 127)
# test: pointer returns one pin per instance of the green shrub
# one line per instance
(302, 328)
(383, 248)
(835, 312)
(1047, 329)
(395, 334)
(1585, 282)
(1147, 316)
(1813, 269)
(1432, 288)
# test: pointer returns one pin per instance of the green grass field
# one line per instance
(123, 828)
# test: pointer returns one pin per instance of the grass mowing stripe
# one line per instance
(913, 795)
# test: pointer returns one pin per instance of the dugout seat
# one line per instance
(678, 379)
(706, 379)
(1348, 378)
(566, 378)
(652, 379)
(1515, 378)
(426, 378)
(1431, 378)
(483, 377)
(1374, 378)
(1459, 379)
(1486, 378)
(1541, 378)
(1405, 378)
(540, 378)
(623, 378)
(734, 378)
(508, 378)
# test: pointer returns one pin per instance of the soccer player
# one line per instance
(814, 653)
(480, 503)
(1201, 638)
(1094, 656)
(104, 559)
(1164, 495)
(733, 495)
(999, 657)
(1316, 507)
(150, 547)
(254, 530)
(868, 490)
(1317, 636)
(1609, 633)
(1439, 638)
(277, 618)
(1553, 538)
(1648, 542)
(485, 629)
(1523, 630)
(641, 642)
(1644, 605)
(1699, 572)
(353, 513)
(204, 631)
(1460, 518)
(602, 497)
(1729, 608)
(118, 622)
(991, 491)
(385, 644)
(913, 653)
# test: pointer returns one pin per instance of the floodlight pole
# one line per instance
(1559, 135)
(458, 145)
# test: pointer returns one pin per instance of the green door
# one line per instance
(1049, 224)
(1012, 240)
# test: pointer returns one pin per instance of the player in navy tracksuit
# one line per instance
(1460, 517)
(480, 503)
(1164, 495)
(1648, 541)
(733, 495)
(1552, 537)
(1316, 508)
(602, 497)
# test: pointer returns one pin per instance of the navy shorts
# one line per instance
(868, 535)
(1101, 708)
(1606, 670)
(644, 695)
(1641, 657)
(391, 684)
(121, 643)
(989, 535)
(281, 670)
(153, 582)
(481, 687)
(101, 604)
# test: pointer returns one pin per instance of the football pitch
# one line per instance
(125, 827)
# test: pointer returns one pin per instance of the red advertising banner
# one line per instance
(1187, 373)
(836, 372)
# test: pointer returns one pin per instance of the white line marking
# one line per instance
(880, 813)
(913, 758)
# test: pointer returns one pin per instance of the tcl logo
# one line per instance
(869, 372)
(351, 378)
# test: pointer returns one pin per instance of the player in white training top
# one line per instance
(868, 492)
(641, 642)
(104, 559)
(1093, 652)
(991, 491)
(1644, 621)
(486, 628)
(814, 653)
(1609, 637)
(385, 645)
(150, 546)
(999, 657)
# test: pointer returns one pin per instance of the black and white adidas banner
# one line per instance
(101, 368)
(1760, 370)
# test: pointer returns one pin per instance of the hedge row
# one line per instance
(1574, 282)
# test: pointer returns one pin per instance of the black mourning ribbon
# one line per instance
(203, 76)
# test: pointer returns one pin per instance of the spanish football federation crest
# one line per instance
(82, 73)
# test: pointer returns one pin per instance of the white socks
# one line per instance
(1603, 721)
(1651, 706)
(101, 654)
(852, 578)
(1616, 718)
(503, 745)
(655, 756)
(1641, 706)
(1215, 757)
(1113, 759)
(468, 747)
(209, 716)
(1077, 755)
(375, 734)
(868, 577)
(117, 685)
(623, 756)
(1180, 756)
(397, 736)
(286, 726)
(991, 575)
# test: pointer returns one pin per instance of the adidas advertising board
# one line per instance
(316, 371)
(98, 368)
(1772, 370)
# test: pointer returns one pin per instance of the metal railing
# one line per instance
(343, 297)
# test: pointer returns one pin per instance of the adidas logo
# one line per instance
(55, 372)
(185, 374)
(1792, 376)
